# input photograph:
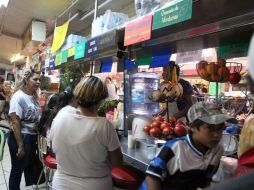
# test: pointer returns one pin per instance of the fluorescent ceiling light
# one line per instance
(4, 2)
(92, 12)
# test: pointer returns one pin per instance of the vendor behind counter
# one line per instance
(180, 90)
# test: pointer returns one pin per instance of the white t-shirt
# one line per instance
(112, 95)
(27, 108)
(81, 145)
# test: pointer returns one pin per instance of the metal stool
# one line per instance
(126, 177)
(2, 143)
(48, 161)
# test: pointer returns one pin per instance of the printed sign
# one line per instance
(58, 59)
(92, 47)
(64, 56)
(177, 11)
(80, 51)
(71, 51)
(138, 30)
(52, 63)
(107, 40)
(189, 56)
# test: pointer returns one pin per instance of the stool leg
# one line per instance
(39, 179)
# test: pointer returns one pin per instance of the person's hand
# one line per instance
(21, 152)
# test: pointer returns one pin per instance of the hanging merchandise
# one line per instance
(144, 7)
(59, 36)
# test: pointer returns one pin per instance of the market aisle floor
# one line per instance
(7, 167)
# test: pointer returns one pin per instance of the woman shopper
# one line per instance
(25, 114)
(86, 146)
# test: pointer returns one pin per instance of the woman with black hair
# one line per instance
(55, 103)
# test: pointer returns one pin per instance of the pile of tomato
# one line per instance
(162, 129)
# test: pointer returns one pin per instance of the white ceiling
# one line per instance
(18, 15)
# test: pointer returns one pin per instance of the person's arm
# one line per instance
(115, 157)
(183, 112)
(16, 128)
(153, 183)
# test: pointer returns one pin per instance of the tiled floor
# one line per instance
(6, 163)
(7, 167)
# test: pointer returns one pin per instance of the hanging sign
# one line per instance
(64, 56)
(92, 47)
(59, 36)
(107, 40)
(138, 30)
(189, 56)
(47, 63)
(71, 51)
(233, 50)
(80, 50)
(52, 63)
(177, 11)
(58, 59)
(43, 68)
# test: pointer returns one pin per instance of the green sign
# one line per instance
(64, 56)
(144, 57)
(233, 50)
(212, 88)
(58, 59)
(177, 11)
(80, 50)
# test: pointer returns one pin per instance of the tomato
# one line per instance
(167, 131)
(180, 121)
(159, 118)
(165, 124)
(147, 129)
(156, 124)
(154, 132)
(234, 78)
(180, 130)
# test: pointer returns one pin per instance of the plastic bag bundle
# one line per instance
(144, 7)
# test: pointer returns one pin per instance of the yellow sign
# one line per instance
(59, 36)
(71, 51)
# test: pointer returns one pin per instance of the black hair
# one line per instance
(196, 124)
(55, 103)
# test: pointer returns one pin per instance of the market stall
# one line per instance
(215, 24)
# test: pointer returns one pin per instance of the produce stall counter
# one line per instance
(134, 157)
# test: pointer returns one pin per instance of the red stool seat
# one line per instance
(50, 161)
(126, 177)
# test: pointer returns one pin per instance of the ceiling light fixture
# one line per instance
(92, 12)
(4, 3)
